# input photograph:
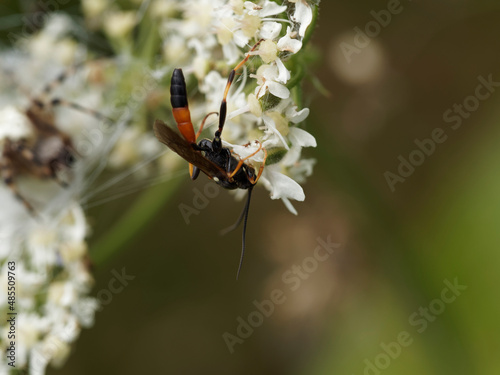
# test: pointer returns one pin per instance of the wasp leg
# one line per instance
(193, 170)
(223, 106)
(240, 163)
(203, 123)
(261, 169)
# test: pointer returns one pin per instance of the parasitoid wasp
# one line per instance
(209, 156)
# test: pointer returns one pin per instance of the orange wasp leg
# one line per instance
(193, 173)
(240, 163)
(203, 123)
(261, 169)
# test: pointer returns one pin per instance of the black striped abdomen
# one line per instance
(178, 92)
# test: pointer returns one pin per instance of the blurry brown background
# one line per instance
(396, 248)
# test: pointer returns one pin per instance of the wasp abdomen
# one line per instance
(180, 109)
(178, 92)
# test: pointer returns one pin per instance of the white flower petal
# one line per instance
(269, 122)
(260, 91)
(283, 186)
(269, 72)
(302, 15)
(283, 72)
(302, 169)
(289, 206)
(301, 138)
(292, 156)
(13, 124)
(231, 53)
(279, 90)
(240, 38)
(270, 30)
(270, 8)
(287, 43)
(296, 117)
(252, 8)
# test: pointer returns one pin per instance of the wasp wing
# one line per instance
(185, 150)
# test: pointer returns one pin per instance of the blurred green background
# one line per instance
(396, 248)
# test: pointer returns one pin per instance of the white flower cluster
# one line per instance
(195, 32)
(207, 38)
(52, 283)
(48, 248)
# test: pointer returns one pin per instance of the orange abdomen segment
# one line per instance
(183, 119)
(178, 98)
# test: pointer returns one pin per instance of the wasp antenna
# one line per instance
(245, 215)
(223, 105)
(235, 225)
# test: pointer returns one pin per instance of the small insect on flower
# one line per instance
(43, 150)
(217, 162)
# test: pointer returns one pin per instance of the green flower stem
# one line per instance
(148, 41)
(133, 220)
(297, 96)
(298, 67)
